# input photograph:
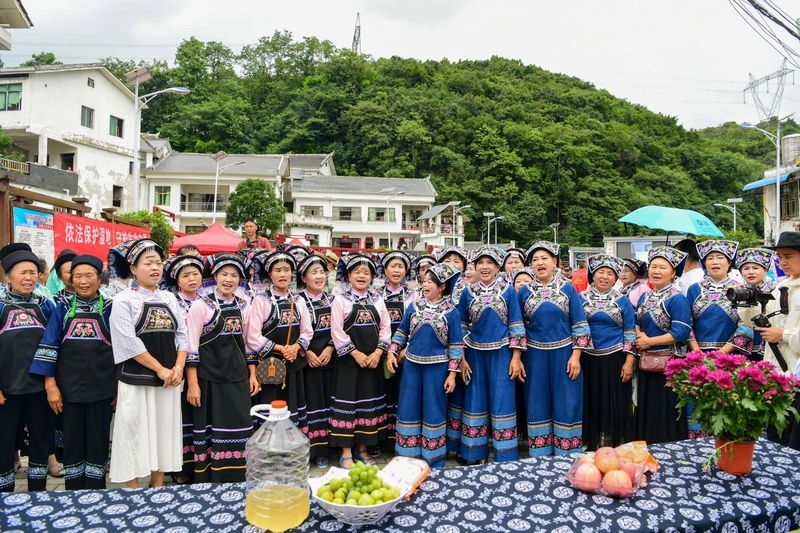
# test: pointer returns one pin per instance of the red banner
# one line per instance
(90, 236)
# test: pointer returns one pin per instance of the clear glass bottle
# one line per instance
(277, 471)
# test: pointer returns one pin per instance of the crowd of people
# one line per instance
(463, 353)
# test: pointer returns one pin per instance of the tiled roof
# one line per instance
(364, 185)
(50, 68)
(252, 164)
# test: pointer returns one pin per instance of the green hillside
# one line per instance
(534, 146)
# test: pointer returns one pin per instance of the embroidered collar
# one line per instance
(16, 298)
(713, 286)
(594, 294)
(314, 297)
(554, 283)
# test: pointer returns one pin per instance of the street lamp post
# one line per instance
(776, 140)
(733, 201)
(488, 215)
(389, 190)
(555, 226)
(495, 219)
(218, 157)
(135, 77)
(456, 211)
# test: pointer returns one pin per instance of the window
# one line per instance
(90, 82)
(115, 126)
(162, 194)
(117, 198)
(87, 117)
(11, 97)
(312, 210)
(378, 214)
(130, 168)
(347, 213)
(194, 230)
(790, 194)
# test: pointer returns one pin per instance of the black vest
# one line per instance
(85, 370)
(363, 328)
(320, 311)
(156, 329)
(277, 329)
(222, 348)
(22, 325)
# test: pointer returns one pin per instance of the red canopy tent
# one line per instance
(215, 239)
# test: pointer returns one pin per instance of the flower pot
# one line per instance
(735, 457)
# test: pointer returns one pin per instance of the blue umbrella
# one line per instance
(673, 219)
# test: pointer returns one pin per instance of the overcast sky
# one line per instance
(684, 58)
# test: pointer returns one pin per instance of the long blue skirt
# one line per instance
(489, 408)
(422, 413)
(554, 402)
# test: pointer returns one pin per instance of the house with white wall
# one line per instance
(77, 119)
(12, 16)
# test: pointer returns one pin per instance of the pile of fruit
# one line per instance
(362, 486)
(606, 469)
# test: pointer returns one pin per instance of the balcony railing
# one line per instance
(444, 229)
(204, 207)
(15, 166)
(411, 226)
(295, 219)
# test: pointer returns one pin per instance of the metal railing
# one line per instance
(444, 229)
(15, 166)
(204, 207)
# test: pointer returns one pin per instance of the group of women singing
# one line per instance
(483, 348)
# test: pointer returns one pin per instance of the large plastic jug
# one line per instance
(277, 471)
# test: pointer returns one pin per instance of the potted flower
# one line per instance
(733, 399)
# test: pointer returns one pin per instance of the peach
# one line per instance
(606, 459)
(587, 459)
(587, 477)
(618, 483)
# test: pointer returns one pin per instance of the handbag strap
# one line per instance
(291, 320)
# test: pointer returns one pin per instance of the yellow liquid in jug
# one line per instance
(277, 508)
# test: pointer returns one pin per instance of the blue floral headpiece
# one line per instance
(493, 253)
(674, 257)
(604, 260)
(760, 256)
(550, 247)
(726, 248)
(447, 250)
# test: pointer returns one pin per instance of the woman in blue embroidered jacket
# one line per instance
(312, 276)
(494, 337)
(459, 258)
(754, 263)
(361, 332)
(220, 378)
(76, 358)
(431, 333)
(715, 322)
(607, 365)
(280, 326)
(663, 322)
(149, 342)
(23, 319)
(556, 332)
(397, 297)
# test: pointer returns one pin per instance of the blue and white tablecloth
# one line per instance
(528, 495)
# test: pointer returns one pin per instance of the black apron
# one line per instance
(22, 324)
(222, 349)
(321, 322)
(362, 328)
(156, 329)
(86, 371)
(277, 329)
(396, 306)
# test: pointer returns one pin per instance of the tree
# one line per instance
(160, 228)
(44, 58)
(255, 198)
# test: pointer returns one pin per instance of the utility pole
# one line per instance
(356, 46)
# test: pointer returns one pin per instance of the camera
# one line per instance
(748, 297)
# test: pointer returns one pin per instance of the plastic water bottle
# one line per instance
(277, 471)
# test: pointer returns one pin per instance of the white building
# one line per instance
(77, 119)
(12, 16)
(789, 173)
(322, 208)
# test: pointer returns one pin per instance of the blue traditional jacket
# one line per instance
(612, 321)
(554, 315)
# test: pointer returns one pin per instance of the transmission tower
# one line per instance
(767, 111)
(356, 47)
